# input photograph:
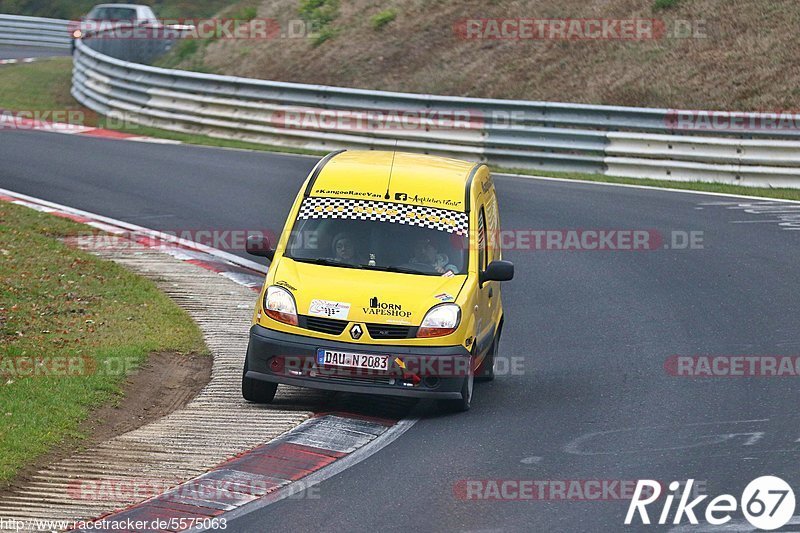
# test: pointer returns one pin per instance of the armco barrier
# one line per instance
(620, 141)
(34, 31)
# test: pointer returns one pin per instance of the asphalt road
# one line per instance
(591, 330)
(21, 52)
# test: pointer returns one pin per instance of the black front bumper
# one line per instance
(431, 372)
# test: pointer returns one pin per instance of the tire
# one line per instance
(485, 372)
(255, 390)
(465, 402)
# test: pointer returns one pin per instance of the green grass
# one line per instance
(247, 13)
(320, 14)
(665, 4)
(183, 51)
(59, 302)
(189, 54)
(323, 35)
(45, 85)
(383, 18)
(39, 86)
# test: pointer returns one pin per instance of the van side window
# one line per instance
(481, 241)
(492, 229)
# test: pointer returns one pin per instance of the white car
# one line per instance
(106, 16)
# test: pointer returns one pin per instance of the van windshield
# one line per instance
(380, 236)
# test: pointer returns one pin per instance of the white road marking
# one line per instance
(787, 216)
(575, 447)
(739, 524)
(648, 187)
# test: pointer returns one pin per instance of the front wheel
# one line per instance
(255, 390)
(485, 372)
(465, 402)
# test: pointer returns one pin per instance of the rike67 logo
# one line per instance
(767, 503)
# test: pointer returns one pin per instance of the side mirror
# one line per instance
(497, 271)
(260, 246)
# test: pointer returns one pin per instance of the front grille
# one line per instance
(323, 325)
(336, 327)
(390, 331)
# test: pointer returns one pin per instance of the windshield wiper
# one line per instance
(403, 270)
(327, 262)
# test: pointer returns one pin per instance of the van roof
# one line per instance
(127, 6)
(417, 179)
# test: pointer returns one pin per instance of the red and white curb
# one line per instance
(353, 428)
(10, 120)
(237, 269)
(317, 449)
(18, 60)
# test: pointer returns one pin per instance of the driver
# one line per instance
(425, 253)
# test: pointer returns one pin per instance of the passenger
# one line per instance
(344, 248)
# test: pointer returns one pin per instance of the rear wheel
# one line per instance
(255, 390)
(465, 402)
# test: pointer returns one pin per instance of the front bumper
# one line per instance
(431, 372)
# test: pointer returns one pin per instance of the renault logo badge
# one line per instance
(356, 331)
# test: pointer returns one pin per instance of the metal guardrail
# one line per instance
(621, 141)
(149, 44)
(34, 31)
(613, 140)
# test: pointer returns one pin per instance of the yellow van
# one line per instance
(385, 280)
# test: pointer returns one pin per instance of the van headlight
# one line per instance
(442, 319)
(279, 305)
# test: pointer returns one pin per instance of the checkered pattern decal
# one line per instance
(413, 215)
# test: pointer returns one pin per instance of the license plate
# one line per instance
(352, 360)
